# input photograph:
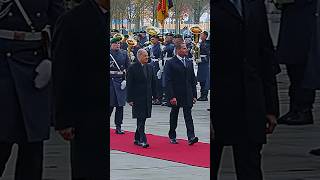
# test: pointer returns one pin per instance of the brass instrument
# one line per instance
(196, 31)
(152, 31)
(119, 36)
(131, 43)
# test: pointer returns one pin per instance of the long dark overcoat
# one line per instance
(141, 89)
(244, 89)
(80, 80)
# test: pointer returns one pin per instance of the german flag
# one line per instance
(163, 10)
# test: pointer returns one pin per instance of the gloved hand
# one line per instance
(44, 74)
(123, 84)
(132, 57)
(159, 74)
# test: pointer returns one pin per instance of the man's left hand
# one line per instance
(194, 100)
(271, 123)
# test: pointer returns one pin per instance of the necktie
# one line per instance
(238, 5)
(184, 62)
(144, 67)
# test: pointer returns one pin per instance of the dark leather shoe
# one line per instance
(144, 145)
(193, 140)
(136, 142)
(174, 141)
(202, 98)
(315, 152)
(303, 118)
(119, 131)
(290, 115)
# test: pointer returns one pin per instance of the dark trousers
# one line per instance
(247, 160)
(140, 132)
(300, 98)
(203, 89)
(118, 116)
(29, 161)
(174, 122)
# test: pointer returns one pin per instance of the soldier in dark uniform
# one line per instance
(167, 55)
(189, 44)
(203, 66)
(143, 38)
(25, 107)
(123, 43)
(119, 63)
(155, 54)
(297, 23)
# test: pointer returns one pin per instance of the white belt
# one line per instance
(154, 60)
(20, 35)
(203, 56)
(116, 72)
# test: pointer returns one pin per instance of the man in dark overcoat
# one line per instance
(294, 42)
(24, 103)
(244, 84)
(80, 80)
(141, 83)
(181, 91)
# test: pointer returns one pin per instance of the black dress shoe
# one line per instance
(202, 98)
(173, 141)
(290, 115)
(119, 131)
(315, 152)
(136, 142)
(144, 145)
(193, 140)
(303, 118)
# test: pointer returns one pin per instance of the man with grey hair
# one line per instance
(141, 86)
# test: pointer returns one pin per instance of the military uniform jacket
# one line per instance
(117, 95)
(203, 66)
(25, 110)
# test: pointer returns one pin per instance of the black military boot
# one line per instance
(315, 152)
(290, 115)
(204, 96)
(118, 130)
(304, 117)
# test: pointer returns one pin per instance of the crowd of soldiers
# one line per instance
(160, 50)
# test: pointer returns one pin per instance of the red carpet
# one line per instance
(160, 148)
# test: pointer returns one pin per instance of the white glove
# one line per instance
(159, 74)
(123, 84)
(132, 57)
(44, 74)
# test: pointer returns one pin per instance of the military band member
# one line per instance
(123, 43)
(25, 70)
(189, 43)
(143, 39)
(155, 53)
(203, 66)
(119, 63)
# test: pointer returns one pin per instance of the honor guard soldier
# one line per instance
(203, 66)
(119, 63)
(188, 40)
(143, 39)
(155, 52)
(25, 72)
